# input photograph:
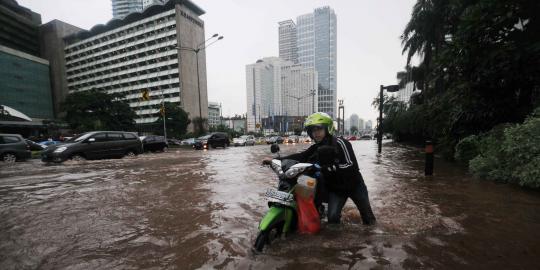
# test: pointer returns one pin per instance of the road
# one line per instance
(189, 209)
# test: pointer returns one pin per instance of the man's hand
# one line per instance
(267, 161)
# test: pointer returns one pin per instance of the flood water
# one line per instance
(190, 209)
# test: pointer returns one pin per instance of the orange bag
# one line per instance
(308, 216)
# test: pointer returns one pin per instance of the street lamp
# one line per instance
(196, 50)
(389, 88)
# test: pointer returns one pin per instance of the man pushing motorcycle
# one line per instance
(341, 175)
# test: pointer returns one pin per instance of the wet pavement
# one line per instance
(200, 209)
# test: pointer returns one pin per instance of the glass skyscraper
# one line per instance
(317, 48)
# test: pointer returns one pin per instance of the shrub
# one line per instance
(467, 149)
(508, 153)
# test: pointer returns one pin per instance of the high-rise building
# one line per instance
(122, 8)
(317, 48)
(147, 3)
(214, 114)
(354, 121)
(263, 90)
(276, 87)
(52, 46)
(24, 74)
(19, 27)
(288, 49)
(298, 91)
(139, 53)
(361, 124)
(369, 125)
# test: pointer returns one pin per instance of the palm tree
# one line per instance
(425, 34)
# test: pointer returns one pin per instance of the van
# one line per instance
(94, 145)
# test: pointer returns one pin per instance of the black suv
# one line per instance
(216, 139)
(13, 147)
(154, 143)
(94, 145)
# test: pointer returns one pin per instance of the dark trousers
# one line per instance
(360, 197)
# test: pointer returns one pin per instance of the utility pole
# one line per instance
(341, 116)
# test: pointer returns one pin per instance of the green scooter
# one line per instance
(281, 218)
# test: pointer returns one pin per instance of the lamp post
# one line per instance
(389, 88)
(196, 50)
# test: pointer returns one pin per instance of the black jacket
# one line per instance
(346, 174)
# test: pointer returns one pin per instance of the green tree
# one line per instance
(98, 110)
(177, 120)
(354, 129)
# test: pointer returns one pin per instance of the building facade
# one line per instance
(214, 114)
(19, 27)
(369, 125)
(122, 8)
(275, 87)
(52, 42)
(24, 83)
(236, 123)
(288, 48)
(317, 48)
(147, 3)
(298, 91)
(138, 53)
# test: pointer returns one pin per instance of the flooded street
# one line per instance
(190, 209)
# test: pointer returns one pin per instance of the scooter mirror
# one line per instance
(274, 148)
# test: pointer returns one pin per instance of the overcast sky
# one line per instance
(369, 48)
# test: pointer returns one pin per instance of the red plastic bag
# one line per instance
(308, 216)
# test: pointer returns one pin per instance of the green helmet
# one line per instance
(319, 119)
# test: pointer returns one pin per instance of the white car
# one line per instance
(189, 141)
(244, 140)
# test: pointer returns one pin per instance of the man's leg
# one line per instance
(361, 199)
(335, 205)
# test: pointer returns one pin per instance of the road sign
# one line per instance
(146, 95)
(258, 125)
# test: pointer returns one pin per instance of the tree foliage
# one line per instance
(176, 120)
(479, 68)
(98, 110)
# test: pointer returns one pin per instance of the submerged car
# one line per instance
(154, 143)
(244, 140)
(13, 148)
(94, 145)
(213, 140)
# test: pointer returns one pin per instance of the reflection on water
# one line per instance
(200, 209)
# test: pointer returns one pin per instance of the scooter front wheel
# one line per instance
(267, 236)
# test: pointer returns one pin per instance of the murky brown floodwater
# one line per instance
(193, 209)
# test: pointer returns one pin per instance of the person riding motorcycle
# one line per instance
(341, 175)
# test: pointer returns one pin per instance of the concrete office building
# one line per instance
(19, 27)
(263, 90)
(317, 48)
(138, 53)
(273, 87)
(214, 114)
(122, 8)
(288, 49)
(297, 97)
(52, 42)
